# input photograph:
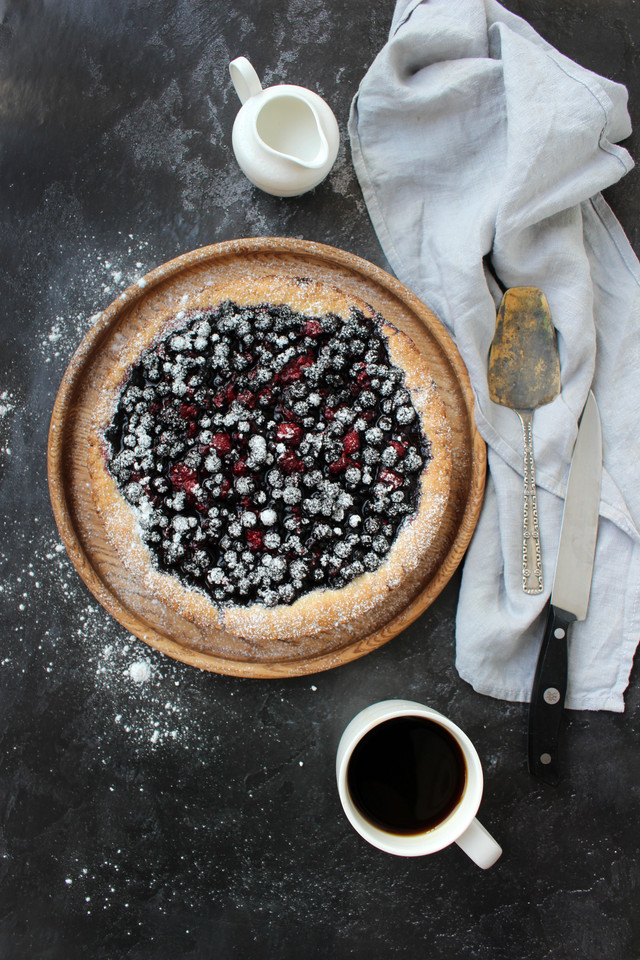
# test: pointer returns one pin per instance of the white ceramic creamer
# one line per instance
(285, 137)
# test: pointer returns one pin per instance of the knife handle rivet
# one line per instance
(559, 633)
(551, 695)
(545, 758)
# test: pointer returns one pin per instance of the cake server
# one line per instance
(524, 373)
(570, 595)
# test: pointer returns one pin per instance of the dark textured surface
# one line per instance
(148, 810)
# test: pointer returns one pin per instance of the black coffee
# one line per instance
(406, 775)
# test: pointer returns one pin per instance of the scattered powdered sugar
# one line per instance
(7, 404)
(105, 277)
(142, 694)
(129, 694)
(134, 695)
(140, 671)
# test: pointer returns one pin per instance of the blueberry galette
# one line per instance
(275, 464)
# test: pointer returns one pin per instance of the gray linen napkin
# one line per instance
(472, 136)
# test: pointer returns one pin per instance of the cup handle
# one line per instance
(244, 78)
(478, 844)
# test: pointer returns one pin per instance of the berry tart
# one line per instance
(273, 462)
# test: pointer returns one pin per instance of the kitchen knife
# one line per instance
(570, 594)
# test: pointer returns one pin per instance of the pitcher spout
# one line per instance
(289, 127)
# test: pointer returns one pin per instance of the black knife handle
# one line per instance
(547, 697)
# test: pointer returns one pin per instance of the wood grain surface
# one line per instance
(81, 527)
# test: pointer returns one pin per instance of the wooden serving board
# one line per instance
(81, 527)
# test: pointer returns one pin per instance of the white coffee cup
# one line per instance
(458, 826)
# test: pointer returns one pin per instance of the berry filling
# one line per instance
(266, 453)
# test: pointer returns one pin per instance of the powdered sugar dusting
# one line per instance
(266, 453)
(137, 694)
(7, 404)
(105, 275)
(140, 671)
(321, 620)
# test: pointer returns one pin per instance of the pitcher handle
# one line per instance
(244, 78)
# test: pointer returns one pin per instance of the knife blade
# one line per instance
(570, 594)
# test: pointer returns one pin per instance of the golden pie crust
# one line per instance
(324, 614)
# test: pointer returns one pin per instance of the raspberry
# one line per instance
(312, 328)
(289, 463)
(351, 442)
(247, 399)
(254, 539)
(293, 370)
(221, 443)
(183, 478)
(390, 478)
(289, 433)
(339, 465)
